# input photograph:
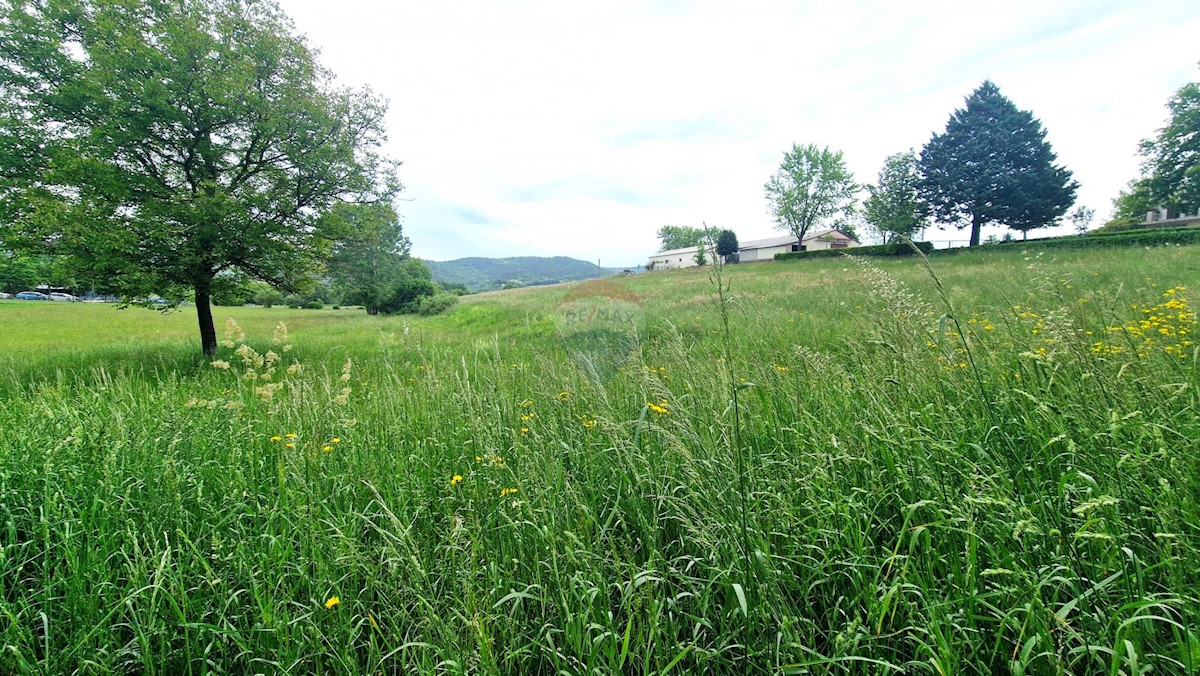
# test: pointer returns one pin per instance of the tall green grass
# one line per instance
(921, 473)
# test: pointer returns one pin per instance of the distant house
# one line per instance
(765, 249)
(678, 258)
(755, 250)
(1165, 218)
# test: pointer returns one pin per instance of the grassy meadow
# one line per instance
(820, 466)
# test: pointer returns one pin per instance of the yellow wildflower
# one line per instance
(290, 435)
(456, 480)
(327, 448)
(276, 438)
(335, 440)
(333, 601)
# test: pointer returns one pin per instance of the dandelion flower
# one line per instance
(290, 445)
(456, 480)
(335, 440)
(276, 438)
(333, 601)
(290, 435)
(327, 448)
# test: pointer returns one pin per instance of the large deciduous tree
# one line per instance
(811, 185)
(367, 265)
(893, 208)
(993, 165)
(1172, 159)
(163, 143)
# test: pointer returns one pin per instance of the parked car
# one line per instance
(5, 295)
(32, 295)
(65, 297)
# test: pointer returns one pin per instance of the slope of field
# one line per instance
(841, 467)
(486, 274)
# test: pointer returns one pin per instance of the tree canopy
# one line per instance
(727, 244)
(683, 236)
(993, 165)
(369, 263)
(161, 143)
(1172, 159)
(893, 207)
(811, 185)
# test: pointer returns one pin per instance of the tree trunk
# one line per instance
(208, 332)
(976, 226)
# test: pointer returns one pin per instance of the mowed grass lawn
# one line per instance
(845, 467)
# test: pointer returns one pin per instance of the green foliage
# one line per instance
(1133, 202)
(409, 285)
(701, 255)
(727, 243)
(1081, 219)
(1138, 237)
(893, 208)
(889, 249)
(267, 296)
(18, 272)
(1172, 159)
(188, 139)
(438, 303)
(993, 165)
(683, 236)
(370, 259)
(456, 288)
(811, 185)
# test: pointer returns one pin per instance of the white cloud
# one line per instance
(550, 128)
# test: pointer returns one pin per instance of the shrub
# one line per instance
(312, 305)
(436, 304)
(268, 297)
(890, 249)
(405, 294)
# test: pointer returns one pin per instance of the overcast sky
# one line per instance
(577, 129)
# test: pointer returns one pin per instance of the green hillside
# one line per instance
(819, 466)
(487, 274)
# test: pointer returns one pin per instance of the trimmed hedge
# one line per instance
(1135, 238)
(892, 249)
(1118, 232)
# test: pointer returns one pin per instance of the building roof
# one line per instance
(788, 239)
(674, 252)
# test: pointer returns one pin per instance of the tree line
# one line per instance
(991, 165)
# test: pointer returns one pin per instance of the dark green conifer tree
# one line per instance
(993, 165)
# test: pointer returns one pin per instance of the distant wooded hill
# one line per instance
(487, 274)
